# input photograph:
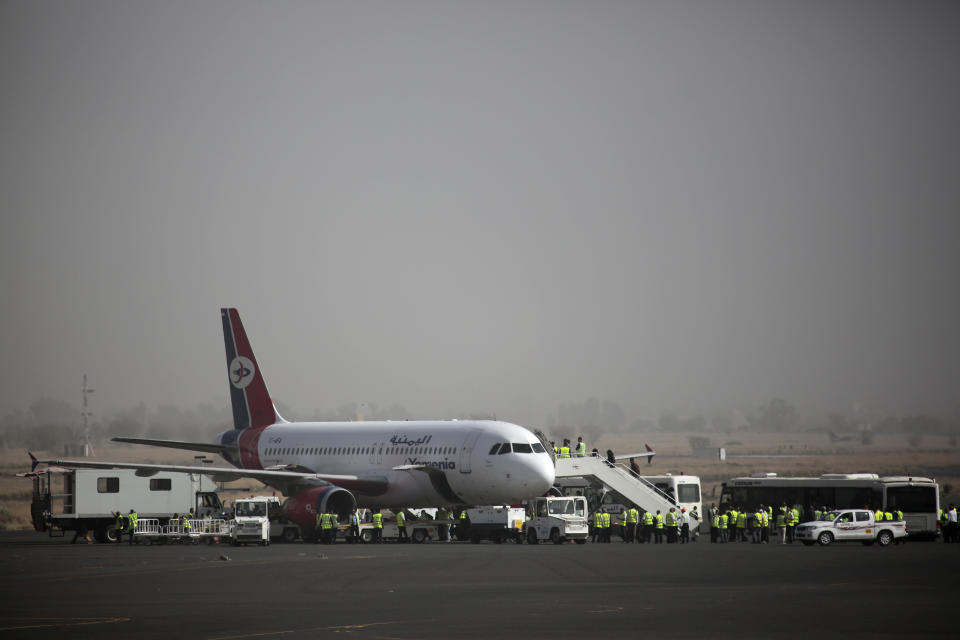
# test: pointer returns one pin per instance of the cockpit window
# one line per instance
(538, 448)
(504, 448)
(493, 451)
(522, 447)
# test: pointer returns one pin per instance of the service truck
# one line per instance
(495, 523)
(251, 519)
(557, 520)
(87, 500)
(850, 525)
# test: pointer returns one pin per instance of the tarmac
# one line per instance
(51, 588)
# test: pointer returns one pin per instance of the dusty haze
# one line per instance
(487, 207)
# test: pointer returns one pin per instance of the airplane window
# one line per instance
(504, 448)
(538, 448)
(522, 447)
(493, 451)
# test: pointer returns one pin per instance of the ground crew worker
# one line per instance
(694, 521)
(671, 525)
(581, 447)
(782, 524)
(658, 528)
(597, 527)
(633, 517)
(684, 527)
(187, 527)
(565, 449)
(464, 526)
(334, 528)
(742, 525)
(764, 526)
(715, 528)
(323, 524)
(402, 526)
(606, 527)
(722, 524)
(378, 527)
(354, 526)
(120, 526)
(647, 527)
(131, 523)
(792, 518)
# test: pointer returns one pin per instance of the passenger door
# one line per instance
(845, 525)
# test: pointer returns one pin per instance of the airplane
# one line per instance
(338, 466)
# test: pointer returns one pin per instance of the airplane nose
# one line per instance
(542, 474)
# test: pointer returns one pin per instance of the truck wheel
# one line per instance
(367, 536)
(555, 536)
(111, 534)
(825, 538)
(419, 536)
(289, 534)
(532, 536)
(497, 538)
(884, 538)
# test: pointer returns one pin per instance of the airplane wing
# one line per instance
(205, 447)
(282, 479)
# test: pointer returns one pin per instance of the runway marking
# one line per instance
(346, 628)
(58, 622)
(614, 610)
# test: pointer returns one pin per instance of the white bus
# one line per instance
(918, 498)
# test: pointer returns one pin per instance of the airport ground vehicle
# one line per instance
(418, 530)
(557, 520)
(495, 523)
(851, 525)
(918, 498)
(87, 500)
(251, 520)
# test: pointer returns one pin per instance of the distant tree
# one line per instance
(778, 415)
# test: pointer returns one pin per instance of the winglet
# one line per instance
(33, 461)
(652, 452)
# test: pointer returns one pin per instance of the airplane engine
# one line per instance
(303, 507)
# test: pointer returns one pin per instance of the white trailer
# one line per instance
(495, 523)
(87, 500)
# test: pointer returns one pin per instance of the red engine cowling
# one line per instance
(304, 506)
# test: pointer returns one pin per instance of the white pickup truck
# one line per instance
(851, 525)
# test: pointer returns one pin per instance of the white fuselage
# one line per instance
(457, 451)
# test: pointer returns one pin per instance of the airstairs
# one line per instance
(616, 477)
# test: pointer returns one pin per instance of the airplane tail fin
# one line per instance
(251, 402)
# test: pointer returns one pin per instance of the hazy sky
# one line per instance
(493, 207)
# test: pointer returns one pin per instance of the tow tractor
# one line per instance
(251, 520)
(557, 520)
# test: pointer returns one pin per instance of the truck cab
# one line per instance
(251, 519)
(557, 519)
